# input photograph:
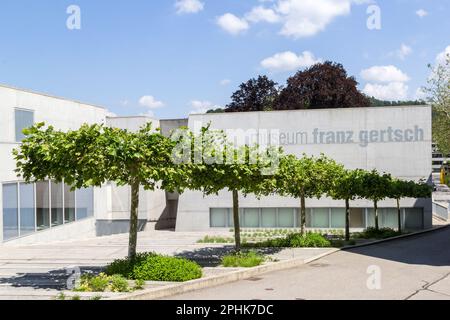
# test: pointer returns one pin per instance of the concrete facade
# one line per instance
(396, 140)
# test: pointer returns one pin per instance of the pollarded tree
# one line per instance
(303, 178)
(347, 186)
(94, 155)
(323, 85)
(254, 95)
(214, 164)
(375, 187)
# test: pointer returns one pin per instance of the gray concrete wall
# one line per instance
(299, 132)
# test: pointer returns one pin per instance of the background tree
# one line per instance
(346, 186)
(94, 155)
(375, 187)
(303, 178)
(324, 85)
(254, 95)
(439, 97)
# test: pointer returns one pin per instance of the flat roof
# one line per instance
(305, 110)
(51, 96)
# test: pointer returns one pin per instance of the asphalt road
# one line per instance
(412, 268)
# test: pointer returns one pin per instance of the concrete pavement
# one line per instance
(412, 268)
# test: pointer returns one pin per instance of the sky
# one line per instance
(169, 58)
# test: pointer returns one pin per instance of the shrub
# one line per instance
(295, 240)
(372, 233)
(119, 284)
(244, 260)
(139, 284)
(102, 283)
(164, 268)
(153, 267)
(125, 266)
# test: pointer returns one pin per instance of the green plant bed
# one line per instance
(372, 233)
(243, 260)
(295, 240)
(102, 283)
(154, 267)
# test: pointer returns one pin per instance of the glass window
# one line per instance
(389, 218)
(23, 119)
(218, 218)
(371, 217)
(269, 218)
(69, 204)
(57, 204)
(414, 219)
(85, 203)
(251, 218)
(42, 206)
(10, 212)
(27, 209)
(320, 218)
(357, 217)
(286, 218)
(338, 218)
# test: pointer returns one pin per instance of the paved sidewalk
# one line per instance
(39, 271)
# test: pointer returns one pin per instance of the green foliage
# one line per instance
(61, 296)
(295, 240)
(76, 298)
(139, 284)
(96, 298)
(216, 239)
(95, 154)
(119, 284)
(125, 267)
(438, 91)
(243, 260)
(102, 283)
(153, 267)
(373, 233)
(163, 268)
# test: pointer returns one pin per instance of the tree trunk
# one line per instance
(302, 214)
(237, 226)
(347, 220)
(132, 245)
(399, 216)
(375, 207)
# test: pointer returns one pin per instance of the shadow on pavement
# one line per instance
(431, 249)
(55, 279)
(212, 256)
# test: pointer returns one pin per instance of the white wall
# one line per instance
(406, 160)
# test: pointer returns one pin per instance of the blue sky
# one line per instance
(172, 57)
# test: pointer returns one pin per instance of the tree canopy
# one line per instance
(323, 85)
(254, 95)
(94, 155)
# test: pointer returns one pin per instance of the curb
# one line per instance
(176, 289)
(394, 238)
(193, 285)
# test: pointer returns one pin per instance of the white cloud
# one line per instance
(188, 6)
(150, 102)
(305, 18)
(232, 24)
(289, 61)
(260, 13)
(403, 52)
(392, 91)
(441, 57)
(384, 74)
(421, 13)
(225, 82)
(200, 107)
